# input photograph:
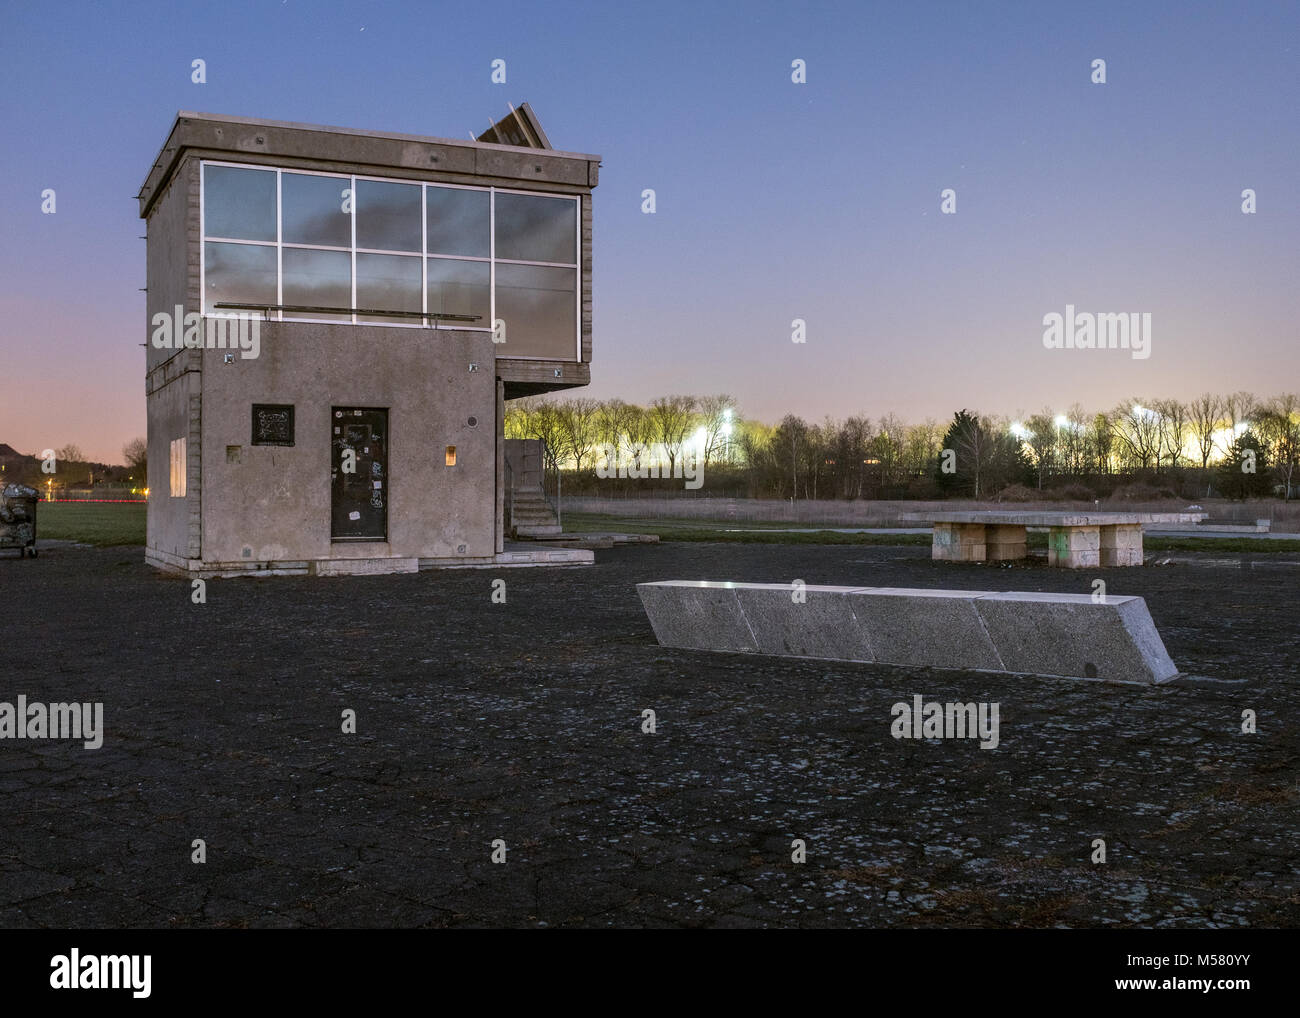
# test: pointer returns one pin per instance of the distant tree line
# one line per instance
(1236, 445)
(68, 468)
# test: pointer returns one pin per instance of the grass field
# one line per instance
(104, 525)
(91, 523)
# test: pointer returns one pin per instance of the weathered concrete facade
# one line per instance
(441, 387)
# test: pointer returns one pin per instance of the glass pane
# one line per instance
(317, 278)
(460, 288)
(311, 210)
(239, 203)
(388, 283)
(538, 306)
(459, 222)
(241, 273)
(534, 229)
(388, 216)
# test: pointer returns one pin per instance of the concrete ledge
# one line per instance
(1068, 635)
(823, 627)
(364, 566)
(926, 628)
(545, 557)
(513, 558)
(594, 539)
(195, 568)
(697, 615)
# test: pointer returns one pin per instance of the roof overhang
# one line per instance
(378, 152)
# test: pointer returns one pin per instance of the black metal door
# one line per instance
(359, 464)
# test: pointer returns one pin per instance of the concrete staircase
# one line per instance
(532, 515)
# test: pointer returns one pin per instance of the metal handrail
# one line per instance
(322, 309)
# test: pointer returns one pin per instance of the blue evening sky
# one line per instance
(775, 200)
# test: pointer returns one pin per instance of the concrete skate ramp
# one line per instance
(1071, 635)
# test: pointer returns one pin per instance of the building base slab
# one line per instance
(511, 558)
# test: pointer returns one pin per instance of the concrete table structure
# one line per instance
(1075, 540)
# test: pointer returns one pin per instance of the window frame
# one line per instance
(424, 254)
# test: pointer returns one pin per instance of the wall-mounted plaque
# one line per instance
(272, 425)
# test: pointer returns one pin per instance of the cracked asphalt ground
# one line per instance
(523, 722)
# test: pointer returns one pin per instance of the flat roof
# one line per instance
(271, 139)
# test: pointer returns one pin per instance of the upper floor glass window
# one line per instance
(313, 209)
(532, 228)
(460, 221)
(388, 216)
(337, 247)
(240, 203)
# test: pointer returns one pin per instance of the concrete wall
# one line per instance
(272, 503)
(526, 465)
(168, 519)
(172, 258)
(172, 382)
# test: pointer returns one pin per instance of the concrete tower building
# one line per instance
(335, 321)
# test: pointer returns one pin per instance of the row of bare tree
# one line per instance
(857, 456)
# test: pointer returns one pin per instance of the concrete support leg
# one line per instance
(1005, 543)
(1074, 547)
(500, 535)
(1121, 545)
(958, 542)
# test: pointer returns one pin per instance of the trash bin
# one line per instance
(18, 518)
